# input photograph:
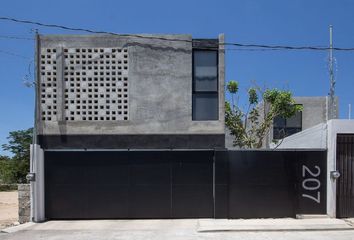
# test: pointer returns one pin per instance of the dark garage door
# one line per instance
(128, 184)
(345, 183)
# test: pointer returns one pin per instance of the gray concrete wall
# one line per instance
(315, 110)
(160, 87)
(229, 140)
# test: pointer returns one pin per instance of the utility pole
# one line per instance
(332, 104)
(36, 86)
(31, 176)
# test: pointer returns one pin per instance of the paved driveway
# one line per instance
(156, 229)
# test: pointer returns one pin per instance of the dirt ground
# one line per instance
(8, 208)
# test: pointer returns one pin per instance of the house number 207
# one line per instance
(311, 183)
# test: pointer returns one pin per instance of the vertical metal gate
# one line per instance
(270, 184)
(345, 184)
(184, 184)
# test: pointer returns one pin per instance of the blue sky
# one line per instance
(300, 22)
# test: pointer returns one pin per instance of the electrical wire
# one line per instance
(254, 49)
(260, 46)
(15, 37)
(88, 30)
(282, 47)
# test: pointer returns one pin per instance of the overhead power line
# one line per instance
(89, 30)
(15, 37)
(245, 46)
(282, 47)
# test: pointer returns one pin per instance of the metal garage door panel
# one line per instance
(150, 189)
(129, 184)
(192, 184)
(259, 185)
(83, 185)
(86, 185)
(108, 201)
(65, 202)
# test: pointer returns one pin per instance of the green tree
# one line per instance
(6, 170)
(251, 125)
(14, 169)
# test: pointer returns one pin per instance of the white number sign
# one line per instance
(311, 183)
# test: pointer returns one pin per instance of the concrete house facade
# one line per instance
(120, 93)
(132, 127)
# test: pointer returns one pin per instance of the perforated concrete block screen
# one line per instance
(49, 89)
(93, 87)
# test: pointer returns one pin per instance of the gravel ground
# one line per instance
(8, 208)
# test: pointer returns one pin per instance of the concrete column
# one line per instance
(221, 74)
(60, 85)
(37, 186)
(331, 166)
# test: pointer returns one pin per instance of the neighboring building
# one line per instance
(315, 111)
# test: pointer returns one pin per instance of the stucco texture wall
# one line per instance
(160, 87)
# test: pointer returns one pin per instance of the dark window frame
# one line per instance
(201, 92)
(288, 131)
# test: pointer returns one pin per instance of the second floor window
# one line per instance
(284, 127)
(205, 85)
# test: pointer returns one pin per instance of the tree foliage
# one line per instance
(251, 125)
(6, 170)
(14, 169)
